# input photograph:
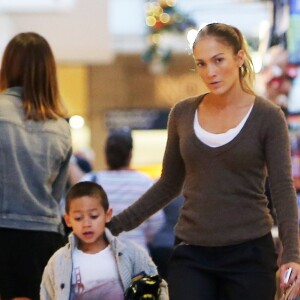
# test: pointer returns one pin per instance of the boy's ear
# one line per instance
(67, 220)
(108, 215)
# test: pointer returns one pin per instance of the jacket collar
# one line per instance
(14, 91)
(115, 243)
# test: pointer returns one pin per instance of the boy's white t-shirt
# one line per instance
(95, 276)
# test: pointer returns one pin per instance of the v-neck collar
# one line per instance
(217, 150)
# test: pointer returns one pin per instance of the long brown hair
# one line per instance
(232, 37)
(28, 62)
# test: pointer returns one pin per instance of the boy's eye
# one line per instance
(94, 217)
(77, 219)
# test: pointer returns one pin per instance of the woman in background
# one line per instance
(35, 148)
(221, 146)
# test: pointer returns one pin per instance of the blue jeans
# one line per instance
(239, 272)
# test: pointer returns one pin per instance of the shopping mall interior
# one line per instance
(125, 63)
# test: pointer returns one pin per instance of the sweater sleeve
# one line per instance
(162, 192)
(47, 285)
(278, 157)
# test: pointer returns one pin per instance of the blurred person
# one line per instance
(35, 148)
(277, 76)
(124, 184)
(221, 145)
(81, 163)
(162, 243)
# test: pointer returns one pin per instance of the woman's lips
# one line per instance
(215, 83)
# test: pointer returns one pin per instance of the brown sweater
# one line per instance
(224, 187)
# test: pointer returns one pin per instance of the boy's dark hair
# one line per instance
(118, 149)
(87, 188)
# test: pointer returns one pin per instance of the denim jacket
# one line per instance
(34, 160)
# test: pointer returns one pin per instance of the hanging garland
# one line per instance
(163, 17)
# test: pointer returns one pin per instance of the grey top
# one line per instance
(224, 187)
(34, 158)
(131, 260)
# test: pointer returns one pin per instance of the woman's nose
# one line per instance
(211, 70)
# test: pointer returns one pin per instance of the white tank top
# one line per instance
(218, 139)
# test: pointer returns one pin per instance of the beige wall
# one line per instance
(73, 83)
(126, 83)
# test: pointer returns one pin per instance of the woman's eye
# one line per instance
(200, 64)
(218, 60)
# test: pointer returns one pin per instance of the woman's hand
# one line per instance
(295, 276)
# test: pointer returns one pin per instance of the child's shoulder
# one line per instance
(125, 247)
(130, 247)
(60, 254)
(137, 258)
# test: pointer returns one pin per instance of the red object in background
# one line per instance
(276, 82)
(159, 25)
(292, 71)
(294, 125)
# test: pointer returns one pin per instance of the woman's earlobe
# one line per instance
(241, 58)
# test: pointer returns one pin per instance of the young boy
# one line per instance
(94, 264)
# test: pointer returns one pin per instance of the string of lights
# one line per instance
(163, 19)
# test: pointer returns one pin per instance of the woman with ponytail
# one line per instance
(221, 147)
